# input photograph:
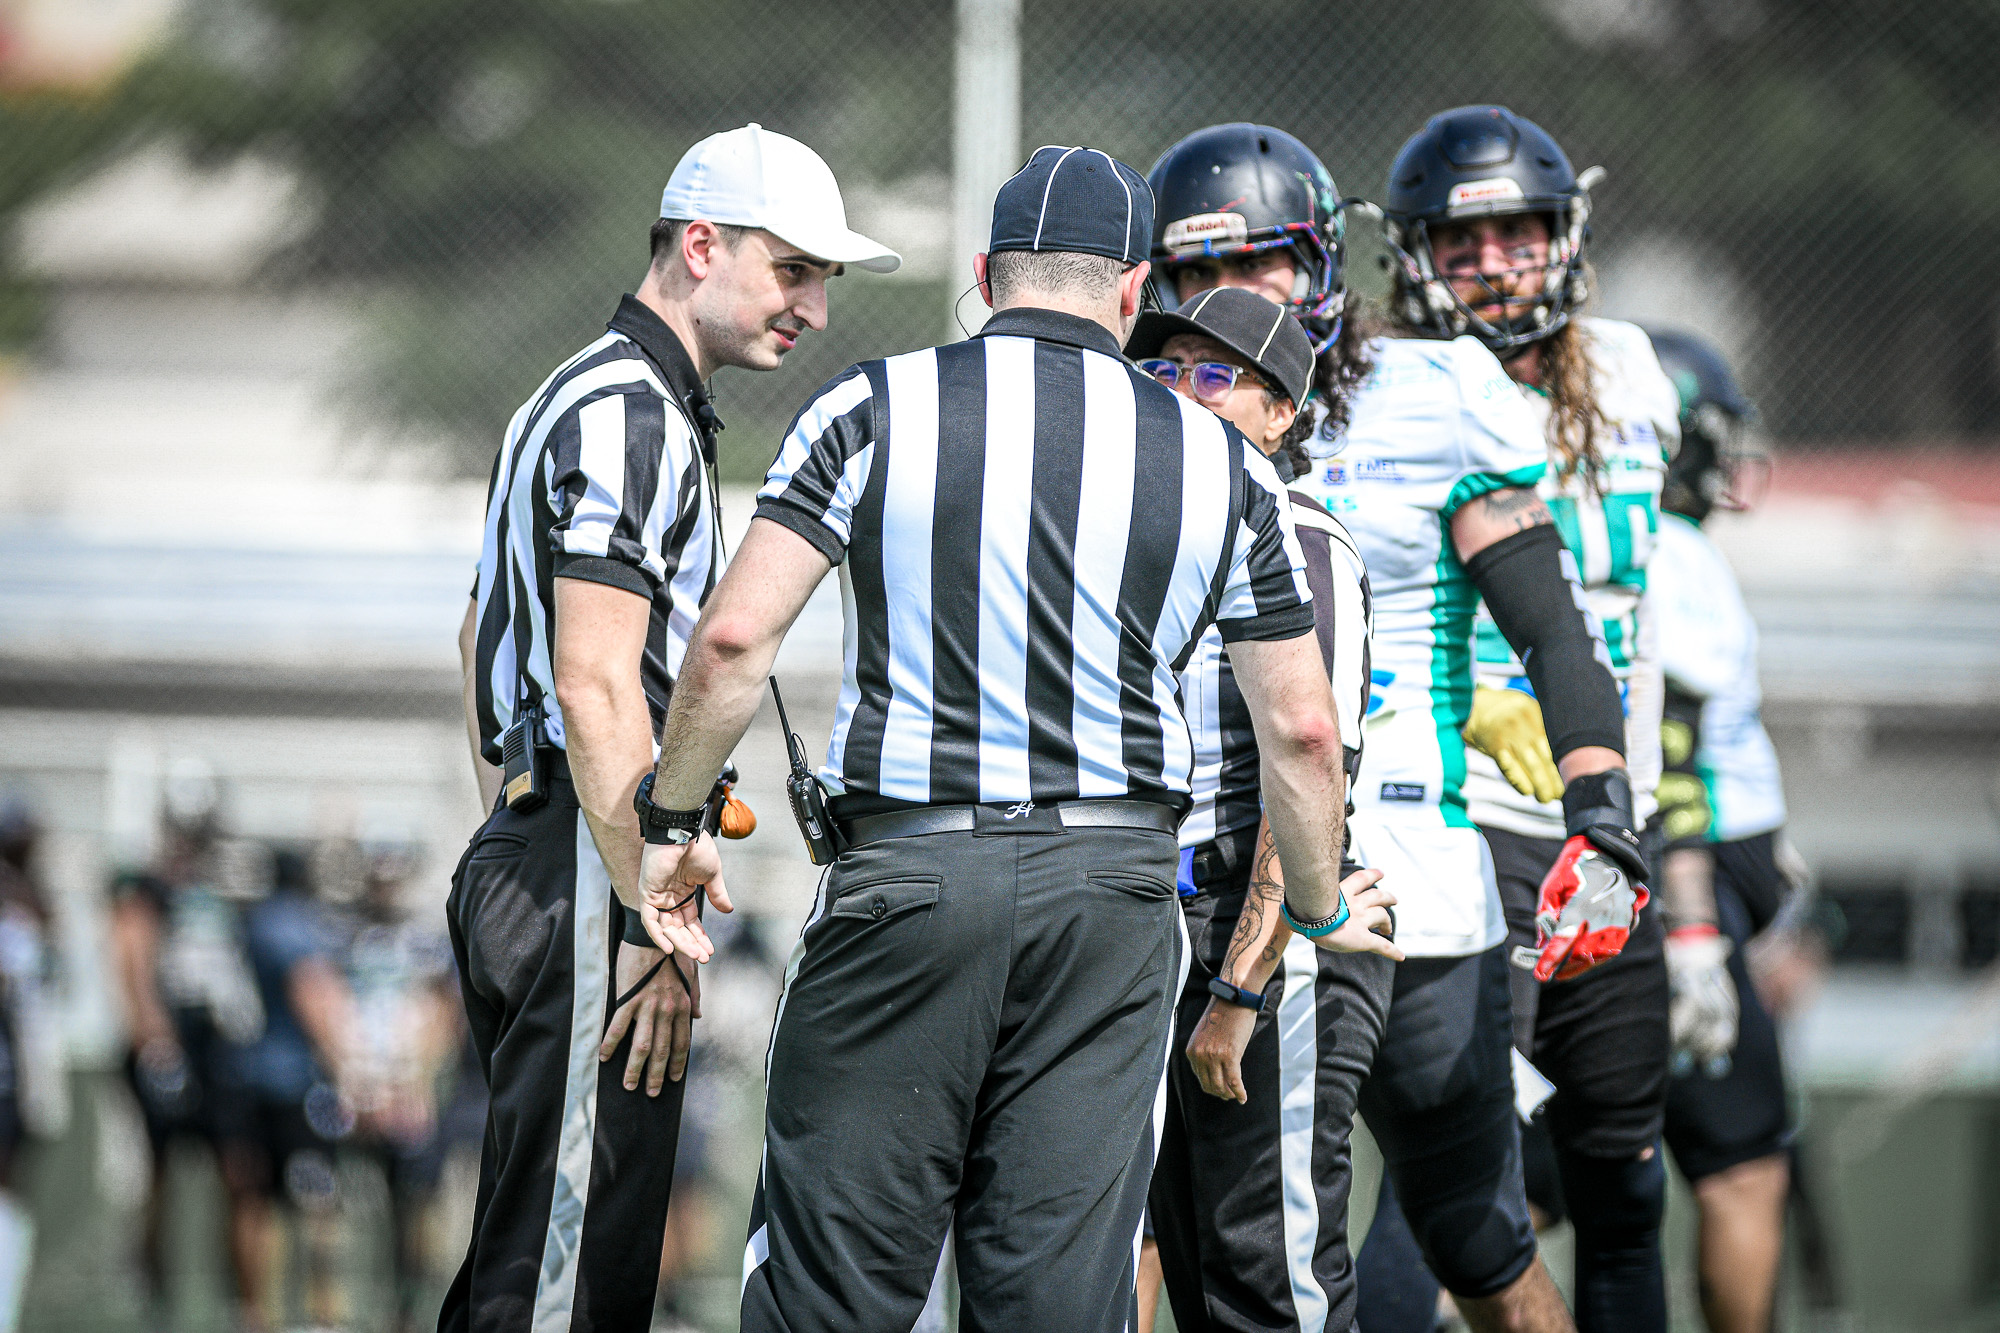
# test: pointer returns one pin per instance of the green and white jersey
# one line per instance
(1610, 524)
(1435, 425)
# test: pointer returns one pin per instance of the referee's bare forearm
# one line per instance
(1300, 763)
(600, 638)
(729, 656)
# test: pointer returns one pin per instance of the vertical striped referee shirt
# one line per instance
(1030, 534)
(1227, 776)
(603, 476)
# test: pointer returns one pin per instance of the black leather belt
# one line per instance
(1022, 817)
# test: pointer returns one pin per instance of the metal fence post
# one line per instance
(986, 126)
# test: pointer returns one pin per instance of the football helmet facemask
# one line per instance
(1479, 162)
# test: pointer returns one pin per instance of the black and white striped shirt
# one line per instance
(1029, 532)
(1227, 798)
(603, 476)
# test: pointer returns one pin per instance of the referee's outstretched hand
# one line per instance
(671, 880)
(1370, 926)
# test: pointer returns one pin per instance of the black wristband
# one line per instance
(635, 929)
(659, 825)
(1598, 798)
(1598, 806)
(1228, 994)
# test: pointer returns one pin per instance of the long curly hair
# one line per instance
(1575, 419)
(1337, 376)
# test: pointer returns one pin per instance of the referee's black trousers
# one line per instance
(973, 1034)
(574, 1176)
(1250, 1201)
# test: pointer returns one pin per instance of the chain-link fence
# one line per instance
(1814, 184)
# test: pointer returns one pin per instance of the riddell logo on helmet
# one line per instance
(1483, 192)
(1204, 229)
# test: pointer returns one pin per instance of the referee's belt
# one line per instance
(1019, 817)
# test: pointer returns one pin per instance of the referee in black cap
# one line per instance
(1032, 535)
(1249, 1195)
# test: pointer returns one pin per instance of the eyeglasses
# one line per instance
(1210, 381)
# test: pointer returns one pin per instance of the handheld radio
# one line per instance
(807, 796)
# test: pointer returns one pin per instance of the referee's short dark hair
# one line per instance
(1051, 273)
(666, 235)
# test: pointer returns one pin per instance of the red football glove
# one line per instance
(1586, 911)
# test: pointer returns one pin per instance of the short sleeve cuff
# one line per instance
(603, 569)
(806, 525)
(1289, 623)
(1485, 483)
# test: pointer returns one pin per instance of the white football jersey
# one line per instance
(1436, 424)
(1708, 647)
(1610, 526)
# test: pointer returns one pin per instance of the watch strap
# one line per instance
(660, 825)
(1237, 995)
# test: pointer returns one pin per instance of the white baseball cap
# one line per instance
(754, 177)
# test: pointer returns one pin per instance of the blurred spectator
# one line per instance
(407, 1081)
(278, 1136)
(737, 1001)
(189, 1001)
(1788, 965)
(31, 1074)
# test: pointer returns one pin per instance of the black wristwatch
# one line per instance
(1228, 994)
(659, 825)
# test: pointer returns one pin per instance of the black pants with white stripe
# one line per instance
(574, 1178)
(973, 1035)
(1250, 1201)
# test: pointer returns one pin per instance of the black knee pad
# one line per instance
(1615, 1201)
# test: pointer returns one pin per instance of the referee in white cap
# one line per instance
(601, 542)
(1031, 536)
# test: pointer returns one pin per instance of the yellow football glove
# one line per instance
(1507, 725)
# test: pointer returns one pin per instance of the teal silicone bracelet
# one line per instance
(1312, 930)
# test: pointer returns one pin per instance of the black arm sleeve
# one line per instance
(1683, 796)
(1530, 588)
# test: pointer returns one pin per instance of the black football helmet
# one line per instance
(1476, 162)
(1716, 464)
(1238, 189)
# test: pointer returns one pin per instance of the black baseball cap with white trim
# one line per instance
(1081, 200)
(1255, 328)
(754, 177)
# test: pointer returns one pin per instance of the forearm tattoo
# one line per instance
(1516, 506)
(1267, 890)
